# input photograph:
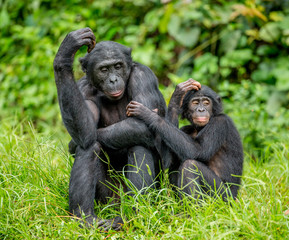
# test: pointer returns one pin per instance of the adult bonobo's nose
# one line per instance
(112, 78)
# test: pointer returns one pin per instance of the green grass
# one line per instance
(34, 176)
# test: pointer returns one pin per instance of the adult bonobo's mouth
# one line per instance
(115, 94)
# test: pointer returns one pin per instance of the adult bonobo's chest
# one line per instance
(112, 111)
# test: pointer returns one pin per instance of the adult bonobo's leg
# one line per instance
(86, 174)
(87, 182)
(195, 177)
(142, 167)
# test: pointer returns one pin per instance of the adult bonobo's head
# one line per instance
(199, 106)
(108, 68)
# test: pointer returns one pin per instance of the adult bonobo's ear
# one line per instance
(219, 99)
(84, 61)
(129, 51)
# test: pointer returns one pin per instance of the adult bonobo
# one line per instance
(208, 153)
(94, 113)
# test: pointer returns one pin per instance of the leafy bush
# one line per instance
(223, 44)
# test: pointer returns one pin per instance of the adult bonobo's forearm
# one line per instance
(75, 113)
(124, 134)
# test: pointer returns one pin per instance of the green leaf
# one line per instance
(4, 18)
(282, 76)
(187, 36)
(270, 32)
(230, 41)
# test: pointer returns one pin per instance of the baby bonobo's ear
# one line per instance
(83, 61)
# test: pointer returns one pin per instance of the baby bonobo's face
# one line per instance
(201, 109)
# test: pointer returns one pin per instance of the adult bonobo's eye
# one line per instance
(118, 66)
(103, 69)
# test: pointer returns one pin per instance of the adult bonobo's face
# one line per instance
(110, 77)
(108, 68)
(201, 110)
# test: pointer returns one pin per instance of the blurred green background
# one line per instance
(239, 48)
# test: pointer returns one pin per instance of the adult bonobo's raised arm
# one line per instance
(77, 116)
(208, 152)
(94, 113)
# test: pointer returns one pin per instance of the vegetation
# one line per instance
(34, 175)
(239, 48)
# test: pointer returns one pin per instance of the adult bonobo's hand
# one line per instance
(182, 89)
(74, 40)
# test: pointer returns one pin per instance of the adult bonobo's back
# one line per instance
(94, 113)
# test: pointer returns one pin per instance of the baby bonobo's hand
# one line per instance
(188, 85)
(181, 90)
(135, 109)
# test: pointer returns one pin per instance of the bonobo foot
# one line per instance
(103, 224)
(106, 224)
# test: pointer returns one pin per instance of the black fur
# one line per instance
(94, 113)
(202, 158)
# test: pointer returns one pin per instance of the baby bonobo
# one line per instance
(208, 153)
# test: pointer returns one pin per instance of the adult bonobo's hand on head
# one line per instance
(74, 40)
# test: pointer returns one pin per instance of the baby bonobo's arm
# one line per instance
(168, 128)
(175, 139)
(177, 98)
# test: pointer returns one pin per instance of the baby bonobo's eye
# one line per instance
(195, 102)
(206, 102)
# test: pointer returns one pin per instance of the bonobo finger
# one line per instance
(91, 46)
(89, 40)
(87, 35)
(196, 83)
(132, 104)
(155, 110)
(130, 113)
(194, 87)
(129, 106)
(87, 29)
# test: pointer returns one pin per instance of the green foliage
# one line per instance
(240, 48)
(34, 176)
(216, 42)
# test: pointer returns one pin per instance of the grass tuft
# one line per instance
(34, 176)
